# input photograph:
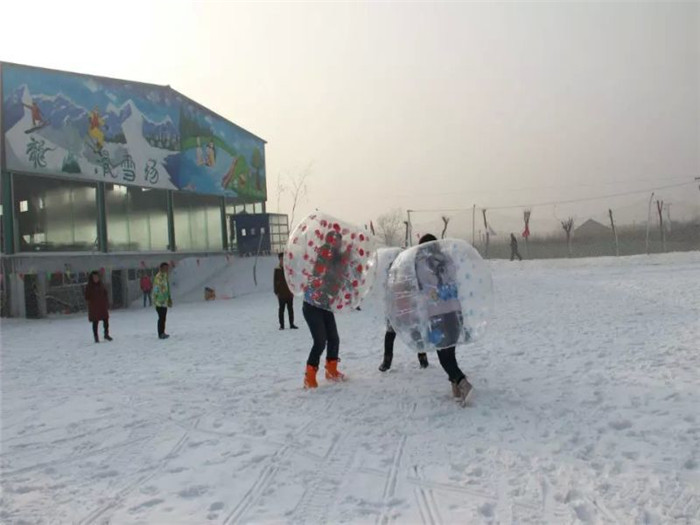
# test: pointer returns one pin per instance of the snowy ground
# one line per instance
(588, 388)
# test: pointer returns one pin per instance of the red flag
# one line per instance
(526, 233)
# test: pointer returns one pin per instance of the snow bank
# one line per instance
(229, 276)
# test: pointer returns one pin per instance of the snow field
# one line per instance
(585, 410)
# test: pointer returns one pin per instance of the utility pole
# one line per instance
(473, 224)
(649, 219)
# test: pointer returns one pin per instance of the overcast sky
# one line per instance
(415, 105)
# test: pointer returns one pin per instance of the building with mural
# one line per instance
(115, 175)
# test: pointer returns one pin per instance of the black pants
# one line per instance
(515, 253)
(162, 313)
(448, 360)
(289, 303)
(389, 338)
(324, 332)
(95, 325)
(147, 296)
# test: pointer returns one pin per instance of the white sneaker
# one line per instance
(462, 391)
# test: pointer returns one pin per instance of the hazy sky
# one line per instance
(415, 105)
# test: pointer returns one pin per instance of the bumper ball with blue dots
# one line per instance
(439, 294)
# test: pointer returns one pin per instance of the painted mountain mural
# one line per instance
(124, 132)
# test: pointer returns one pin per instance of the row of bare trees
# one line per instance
(393, 230)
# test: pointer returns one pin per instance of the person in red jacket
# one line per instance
(98, 305)
(146, 288)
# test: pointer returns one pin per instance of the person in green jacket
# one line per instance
(161, 297)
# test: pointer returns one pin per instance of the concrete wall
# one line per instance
(15, 267)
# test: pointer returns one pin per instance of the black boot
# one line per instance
(423, 360)
(107, 337)
(386, 363)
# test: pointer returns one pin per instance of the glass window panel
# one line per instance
(60, 215)
(137, 218)
(214, 226)
(197, 222)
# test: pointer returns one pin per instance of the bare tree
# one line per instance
(297, 189)
(281, 188)
(526, 231)
(660, 208)
(567, 225)
(446, 221)
(488, 235)
(389, 227)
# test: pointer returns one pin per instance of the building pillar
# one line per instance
(41, 289)
(101, 218)
(8, 213)
(224, 228)
(171, 222)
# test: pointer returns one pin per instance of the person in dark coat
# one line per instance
(284, 296)
(446, 326)
(514, 248)
(98, 305)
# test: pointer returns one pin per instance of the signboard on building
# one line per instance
(83, 127)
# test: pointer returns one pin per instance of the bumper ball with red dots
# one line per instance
(330, 263)
(439, 295)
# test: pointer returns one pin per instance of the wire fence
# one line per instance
(664, 219)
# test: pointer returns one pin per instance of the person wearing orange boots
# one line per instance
(328, 274)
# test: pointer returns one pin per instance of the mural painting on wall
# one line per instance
(218, 157)
(123, 132)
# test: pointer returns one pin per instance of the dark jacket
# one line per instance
(280, 285)
(97, 300)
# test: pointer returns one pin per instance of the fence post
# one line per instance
(651, 198)
(612, 224)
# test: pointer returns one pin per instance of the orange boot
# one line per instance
(332, 373)
(310, 377)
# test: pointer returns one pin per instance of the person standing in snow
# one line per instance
(161, 297)
(435, 272)
(389, 338)
(329, 275)
(284, 295)
(146, 288)
(98, 305)
(514, 248)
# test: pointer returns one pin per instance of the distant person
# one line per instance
(162, 299)
(98, 305)
(284, 295)
(146, 288)
(514, 248)
(435, 272)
